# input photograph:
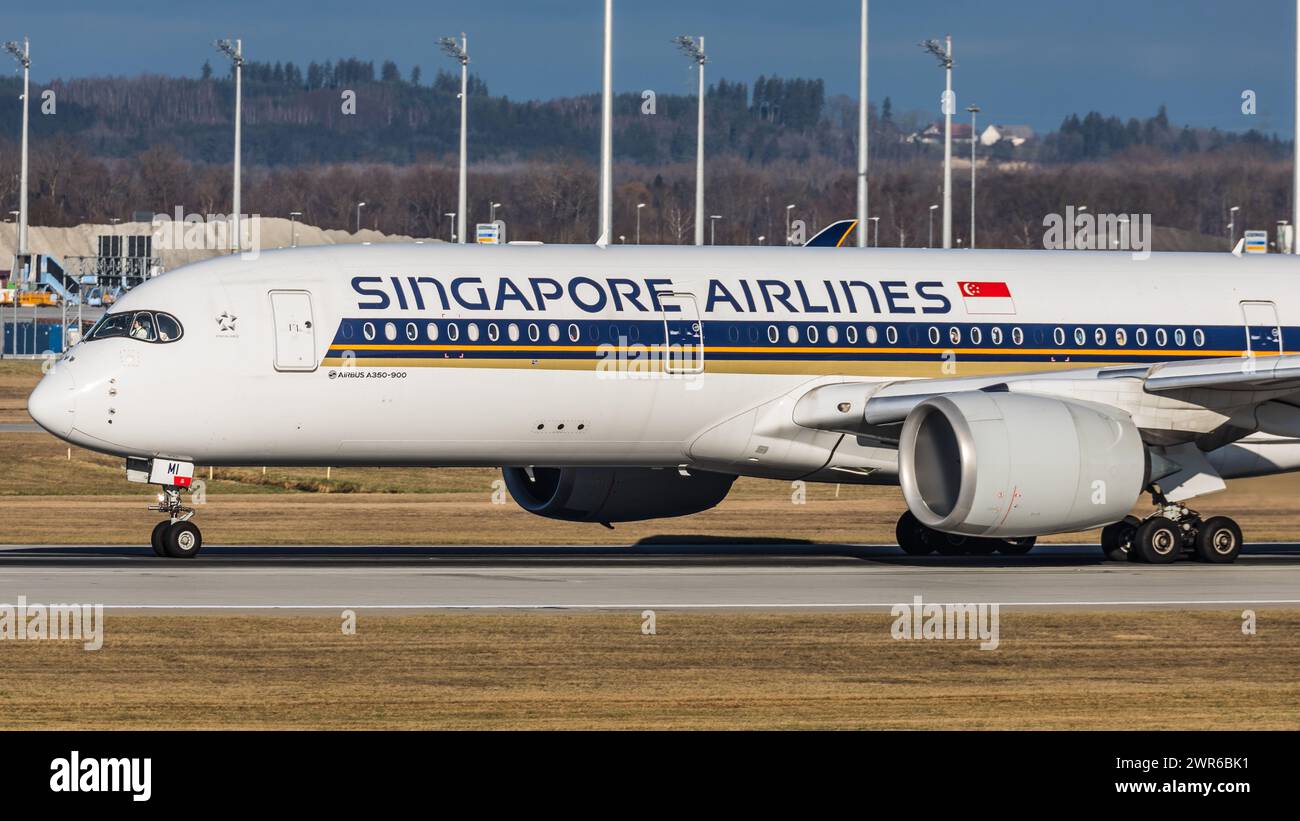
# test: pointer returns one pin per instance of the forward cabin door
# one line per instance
(683, 333)
(295, 336)
(1263, 331)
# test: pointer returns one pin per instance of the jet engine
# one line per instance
(1010, 465)
(608, 495)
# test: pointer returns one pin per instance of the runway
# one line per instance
(647, 576)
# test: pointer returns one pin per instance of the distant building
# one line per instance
(1013, 135)
(933, 134)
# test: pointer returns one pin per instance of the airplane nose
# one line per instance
(52, 404)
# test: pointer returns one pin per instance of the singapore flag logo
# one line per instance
(987, 297)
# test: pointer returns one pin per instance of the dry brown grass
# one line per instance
(1053, 670)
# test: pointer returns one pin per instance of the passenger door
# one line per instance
(295, 336)
(683, 333)
(1263, 332)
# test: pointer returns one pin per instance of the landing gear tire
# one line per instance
(1158, 541)
(913, 536)
(1117, 538)
(949, 545)
(156, 538)
(1015, 547)
(1218, 541)
(182, 540)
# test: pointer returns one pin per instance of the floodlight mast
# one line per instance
(863, 131)
(234, 49)
(23, 54)
(943, 51)
(458, 50)
(607, 132)
(695, 51)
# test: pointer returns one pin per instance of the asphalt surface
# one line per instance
(720, 576)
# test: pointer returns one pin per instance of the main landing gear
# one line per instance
(918, 540)
(1170, 533)
(176, 536)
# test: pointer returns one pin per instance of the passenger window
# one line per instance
(1180, 337)
(873, 336)
(954, 335)
(1162, 337)
(1080, 336)
(1100, 336)
(1058, 336)
(851, 335)
(891, 335)
(996, 335)
(1018, 336)
(934, 335)
(1121, 337)
(832, 334)
(1198, 336)
(976, 335)
(1141, 337)
(432, 330)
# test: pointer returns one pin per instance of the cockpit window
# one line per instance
(168, 328)
(142, 327)
(146, 326)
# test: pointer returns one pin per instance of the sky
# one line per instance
(1022, 61)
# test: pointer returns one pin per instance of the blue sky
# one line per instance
(1023, 61)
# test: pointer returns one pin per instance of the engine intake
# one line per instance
(609, 495)
(1011, 465)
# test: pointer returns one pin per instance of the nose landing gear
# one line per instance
(176, 536)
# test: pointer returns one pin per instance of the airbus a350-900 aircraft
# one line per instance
(1012, 394)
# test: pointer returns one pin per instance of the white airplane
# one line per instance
(1011, 394)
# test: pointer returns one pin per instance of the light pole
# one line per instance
(639, 206)
(293, 228)
(863, 135)
(607, 130)
(360, 205)
(492, 211)
(932, 210)
(943, 51)
(788, 238)
(713, 228)
(695, 51)
(234, 49)
(762, 239)
(24, 57)
(459, 51)
(451, 224)
(875, 230)
(974, 110)
(1232, 226)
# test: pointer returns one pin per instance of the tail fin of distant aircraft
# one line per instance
(835, 235)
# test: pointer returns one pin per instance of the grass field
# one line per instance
(546, 671)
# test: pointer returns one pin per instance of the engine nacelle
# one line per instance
(1009, 465)
(614, 494)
